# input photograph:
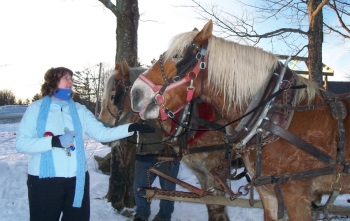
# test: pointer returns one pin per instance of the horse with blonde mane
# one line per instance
(294, 136)
(116, 109)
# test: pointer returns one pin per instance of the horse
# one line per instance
(120, 161)
(290, 132)
(116, 109)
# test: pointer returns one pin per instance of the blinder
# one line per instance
(119, 98)
(188, 61)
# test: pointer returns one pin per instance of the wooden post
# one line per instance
(98, 90)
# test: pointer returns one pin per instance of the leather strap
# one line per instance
(280, 201)
(205, 149)
(258, 157)
(297, 142)
(263, 180)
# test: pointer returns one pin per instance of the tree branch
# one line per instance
(243, 25)
(319, 8)
(112, 7)
(336, 31)
(340, 19)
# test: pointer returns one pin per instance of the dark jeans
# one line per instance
(48, 197)
(142, 164)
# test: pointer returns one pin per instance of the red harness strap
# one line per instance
(160, 98)
(206, 111)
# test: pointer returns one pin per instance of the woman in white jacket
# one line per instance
(51, 132)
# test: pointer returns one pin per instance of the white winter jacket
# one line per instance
(28, 142)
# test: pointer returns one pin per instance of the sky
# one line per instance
(14, 200)
(79, 34)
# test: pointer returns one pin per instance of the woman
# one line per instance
(51, 132)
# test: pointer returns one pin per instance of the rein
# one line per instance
(262, 104)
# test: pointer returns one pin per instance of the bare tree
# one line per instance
(306, 22)
(7, 97)
(127, 15)
(120, 192)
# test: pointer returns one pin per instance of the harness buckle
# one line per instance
(337, 185)
(170, 114)
(159, 98)
(202, 65)
(199, 56)
(191, 86)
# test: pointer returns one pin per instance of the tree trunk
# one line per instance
(315, 37)
(127, 25)
(122, 164)
(120, 192)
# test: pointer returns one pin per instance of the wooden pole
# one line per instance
(98, 91)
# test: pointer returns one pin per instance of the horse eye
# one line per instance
(177, 57)
(112, 97)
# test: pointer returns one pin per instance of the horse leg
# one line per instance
(215, 212)
(269, 202)
(206, 180)
(317, 200)
(297, 201)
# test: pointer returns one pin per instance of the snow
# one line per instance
(13, 187)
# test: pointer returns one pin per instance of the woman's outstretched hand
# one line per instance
(142, 128)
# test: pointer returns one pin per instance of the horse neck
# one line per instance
(225, 111)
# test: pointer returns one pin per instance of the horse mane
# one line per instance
(238, 71)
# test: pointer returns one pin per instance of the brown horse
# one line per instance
(305, 148)
(120, 162)
(116, 107)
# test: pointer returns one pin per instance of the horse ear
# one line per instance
(117, 66)
(206, 32)
(195, 29)
(124, 67)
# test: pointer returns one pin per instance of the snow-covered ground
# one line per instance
(13, 188)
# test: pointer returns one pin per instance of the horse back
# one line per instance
(317, 127)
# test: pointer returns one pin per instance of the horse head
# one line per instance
(175, 78)
(116, 108)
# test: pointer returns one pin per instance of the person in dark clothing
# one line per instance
(146, 157)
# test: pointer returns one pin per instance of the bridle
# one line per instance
(198, 62)
(118, 101)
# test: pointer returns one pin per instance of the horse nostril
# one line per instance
(136, 95)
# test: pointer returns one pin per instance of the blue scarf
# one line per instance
(47, 168)
(63, 94)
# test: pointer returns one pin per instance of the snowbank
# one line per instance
(12, 111)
